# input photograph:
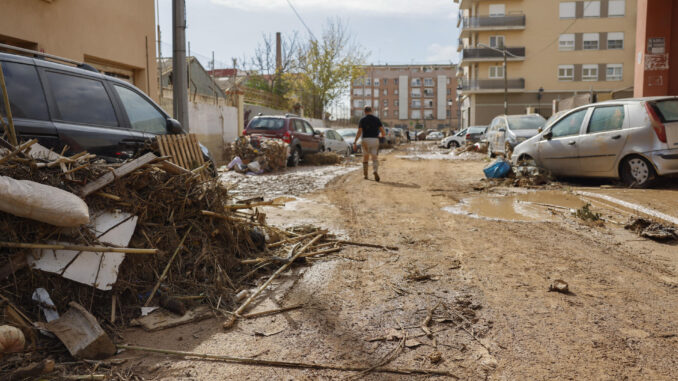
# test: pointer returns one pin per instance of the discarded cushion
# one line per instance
(499, 169)
(40, 202)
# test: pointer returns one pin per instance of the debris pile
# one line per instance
(256, 155)
(323, 158)
(652, 230)
(480, 147)
(529, 175)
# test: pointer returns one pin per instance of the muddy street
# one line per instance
(467, 291)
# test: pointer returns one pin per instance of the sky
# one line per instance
(391, 31)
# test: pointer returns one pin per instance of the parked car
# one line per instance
(293, 130)
(349, 137)
(334, 142)
(632, 139)
(79, 107)
(454, 140)
(435, 135)
(390, 137)
(476, 134)
(399, 136)
(507, 131)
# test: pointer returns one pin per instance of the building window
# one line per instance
(566, 72)
(497, 42)
(616, 8)
(395, 91)
(416, 81)
(385, 82)
(615, 40)
(496, 72)
(368, 103)
(385, 92)
(497, 10)
(416, 103)
(376, 93)
(385, 102)
(566, 42)
(589, 72)
(376, 104)
(368, 82)
(428, 103)
(591, 41)
(358, 92)
(396, 103)
(376, 82)
(428, 93)
(416, 93)
(592, 8)
(615, 72)
(358, 103)
(395, 81)
(568, 10)
(428, 114)
(368, 92)
(449, 91)
(358, 82)
(416, 114)
(428, 82)
(385, 114)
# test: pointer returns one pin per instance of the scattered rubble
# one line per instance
(270, 155)
(323, 158)
(559, 285)
(652, 230)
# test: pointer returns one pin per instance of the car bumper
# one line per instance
(665, 161)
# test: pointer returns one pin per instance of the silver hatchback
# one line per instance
(632, 139)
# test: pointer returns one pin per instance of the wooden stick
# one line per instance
(167, 267)
(229, 323)
(252, 205)
(123, 170)
(288, 364)
(11, 133)
(294, 239)
(352, 243)
(97, 249)
(271, 312)
(220, 216)
(313, 254)
(108, 195)
(113, 302)
(76, 169)
(21, 148)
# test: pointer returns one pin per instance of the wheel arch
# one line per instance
(620, 163)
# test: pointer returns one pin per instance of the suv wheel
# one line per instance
(295, 157)
(452, 144)
(637, 172)
(490, 154)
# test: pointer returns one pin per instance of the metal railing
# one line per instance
(480, 53)
(492, 84)
(493, 22)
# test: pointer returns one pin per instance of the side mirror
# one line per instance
(539, 130)
(502, 130)
(548, 135)
(174, 127)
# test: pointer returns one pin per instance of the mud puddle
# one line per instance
(519, 207)
(302, 211)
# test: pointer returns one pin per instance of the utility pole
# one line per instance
(504, 51)
(179, 71)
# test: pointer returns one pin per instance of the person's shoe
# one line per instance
(365, 170)
(376, 177)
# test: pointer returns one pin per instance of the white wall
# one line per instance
(215, 126)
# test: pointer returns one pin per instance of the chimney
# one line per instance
(278, 52)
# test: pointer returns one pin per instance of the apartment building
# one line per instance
(408, 96)
(555, 49)
(116, 37)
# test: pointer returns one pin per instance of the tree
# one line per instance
(265, 75)
(326, 67)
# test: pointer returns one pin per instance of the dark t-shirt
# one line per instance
(370, 125)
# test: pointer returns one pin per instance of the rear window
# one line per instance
(527, 122)
(26, 98)
(476, 130)
(668, 110)
(267, 124)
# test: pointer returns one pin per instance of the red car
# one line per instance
(293, 130)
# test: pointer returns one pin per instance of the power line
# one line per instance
(301, 19)
(565, 30)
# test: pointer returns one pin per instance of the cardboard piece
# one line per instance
(81, 334)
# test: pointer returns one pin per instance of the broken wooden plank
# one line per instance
(121, 171)
(21, 148)
(81, 334)
(98, 249)
(161, 319)
(11, 133)
(353, 243)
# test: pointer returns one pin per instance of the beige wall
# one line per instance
(116, 34)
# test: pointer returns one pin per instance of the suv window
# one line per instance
(142, 115)
(267, 123)
(308, 128)
(569, 125)
(26, 97)
(298, 126)
(606, 119)
(81, 100)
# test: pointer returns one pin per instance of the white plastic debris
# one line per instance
(45, 304)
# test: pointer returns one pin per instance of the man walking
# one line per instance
(370, 128)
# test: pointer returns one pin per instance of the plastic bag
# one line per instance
(499, 169)
(40, 202)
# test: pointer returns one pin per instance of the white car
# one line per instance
(435, 135)
(454, 141)
(334, 142)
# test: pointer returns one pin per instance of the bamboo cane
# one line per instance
(97, 249)
(167, 267)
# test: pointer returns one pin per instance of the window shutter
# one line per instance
(602, 40)
(577, 72)
(579, 11)
(578, 41)
(602, 68)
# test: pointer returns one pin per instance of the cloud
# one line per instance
(438, 53)
(374, 7)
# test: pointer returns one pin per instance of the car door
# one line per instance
(315, 141)
(30, 113)
(500, 135)
(604, 139)
(143, 118)
(84, 115)
(491, 132)
(557, 148)
(335, 144)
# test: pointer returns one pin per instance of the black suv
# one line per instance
(80, 108)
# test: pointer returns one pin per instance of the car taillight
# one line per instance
(287, 138)
(656, 122)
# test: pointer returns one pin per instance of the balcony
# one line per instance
(491, 85)
(491, 55)
(460, 44)
(487, 23)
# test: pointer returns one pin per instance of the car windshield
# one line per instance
(462, 132)
(668, 110)
(526, 122)
(476, 130)
(267, 123)
(347, 133)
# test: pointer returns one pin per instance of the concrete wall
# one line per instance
(656, 72)
(118, 35)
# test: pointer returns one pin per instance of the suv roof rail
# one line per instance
(41, 55)
(289, 114)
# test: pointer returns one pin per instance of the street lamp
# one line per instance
(505, 53)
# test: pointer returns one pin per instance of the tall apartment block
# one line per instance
(408, 96)
(555, 49)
